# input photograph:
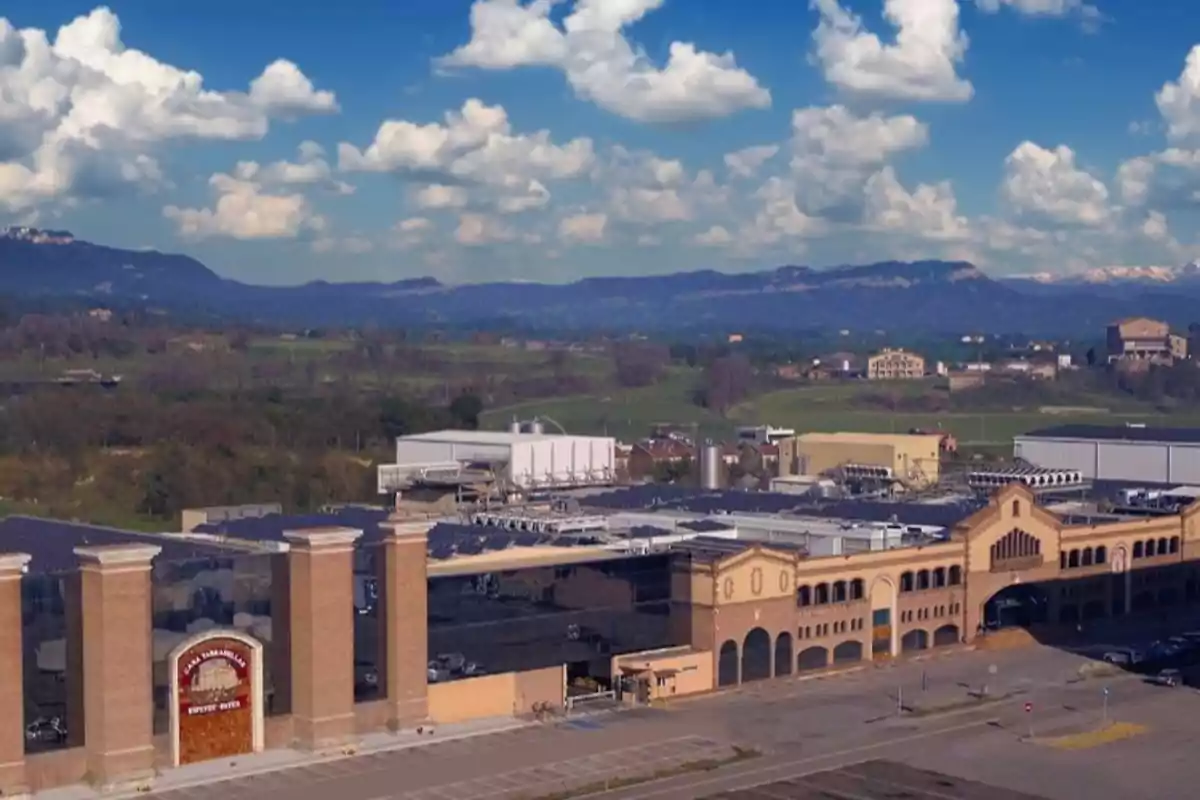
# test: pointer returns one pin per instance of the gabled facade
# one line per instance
(766, 613)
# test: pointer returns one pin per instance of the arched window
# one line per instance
(1016, 544)
(1138, 550)
(857, 589)
(1073, 559)
(1101, 554)
(1016, 508)
(939, 577)
(1173, 545)
(922, 580)
(822, 594)
(955, 575)
(1086, 558)
(839, 591)
(1162, 546)
(906, 581)
(804, 596)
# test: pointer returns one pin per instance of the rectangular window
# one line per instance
(882, 616)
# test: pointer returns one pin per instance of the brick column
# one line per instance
(117, 650)
(12, 667)
(403, 621)
(321, 600)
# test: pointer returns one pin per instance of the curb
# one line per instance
(150, 789)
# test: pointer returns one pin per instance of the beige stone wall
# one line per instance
(504, 695)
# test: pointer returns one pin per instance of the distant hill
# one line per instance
(922, 296)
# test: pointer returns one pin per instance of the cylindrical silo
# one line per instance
(710, 466)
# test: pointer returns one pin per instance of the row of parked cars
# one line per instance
(1161, 660)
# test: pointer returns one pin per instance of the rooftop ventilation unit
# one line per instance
(869, 472)
(1035, 478)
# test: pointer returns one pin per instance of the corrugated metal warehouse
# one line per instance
(523, 460)
(1116, 453)
(913, 458)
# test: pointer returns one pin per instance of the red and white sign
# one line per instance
(1028, 707)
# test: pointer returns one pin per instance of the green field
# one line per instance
(826, 407)
(625, 413)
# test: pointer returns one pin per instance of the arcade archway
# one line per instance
(914, 640)
(783, 654)
(812, 658)
(727, 664)
(756, 656)
(1018, 606)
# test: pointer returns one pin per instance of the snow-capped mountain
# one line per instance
(1107, 276)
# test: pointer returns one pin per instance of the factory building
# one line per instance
(125, 654)
(509, 462)
(906, 460)
(1116, 453)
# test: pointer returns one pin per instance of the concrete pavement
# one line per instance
(796, 724)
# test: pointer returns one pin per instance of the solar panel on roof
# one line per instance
(527, 540)
(497, 542)
(470, 548)
(441, 552)
(440, 535)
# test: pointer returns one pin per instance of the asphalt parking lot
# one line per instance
(875, 780)
(962, 715)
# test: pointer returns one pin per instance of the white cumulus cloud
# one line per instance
(1048, 184)
(602, 65)
(583, 228)
(82, 113)
(921, 64)
(474, 147)
(1178, 101)
(928, 212)
(245, 209)
(746, 163)
(1087, 13)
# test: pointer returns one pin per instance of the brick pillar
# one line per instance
(403, 621)
(321, 600)
(117, 650)
(12, 667)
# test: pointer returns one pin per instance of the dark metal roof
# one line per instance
(1117, 433)
(697, 501)
(271, 527)
(52, 543)
(711, 548)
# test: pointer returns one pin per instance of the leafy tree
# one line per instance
(465, 410)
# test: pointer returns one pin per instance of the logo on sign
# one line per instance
(1028, 707)
(211, 680)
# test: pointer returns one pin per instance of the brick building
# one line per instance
(124, 654)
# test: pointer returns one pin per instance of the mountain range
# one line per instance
(916, 297)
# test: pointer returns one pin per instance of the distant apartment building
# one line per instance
(895, 364)
(1142, 341)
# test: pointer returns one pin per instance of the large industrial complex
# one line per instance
(545, 585)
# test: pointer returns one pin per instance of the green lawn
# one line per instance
(830, 407)
(632, 413)
(624, 413)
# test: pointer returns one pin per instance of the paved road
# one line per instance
(798, 725)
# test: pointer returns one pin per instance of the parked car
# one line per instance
(1169, 677)
(1122, 658)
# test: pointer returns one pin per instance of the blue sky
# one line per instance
(510, 139)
